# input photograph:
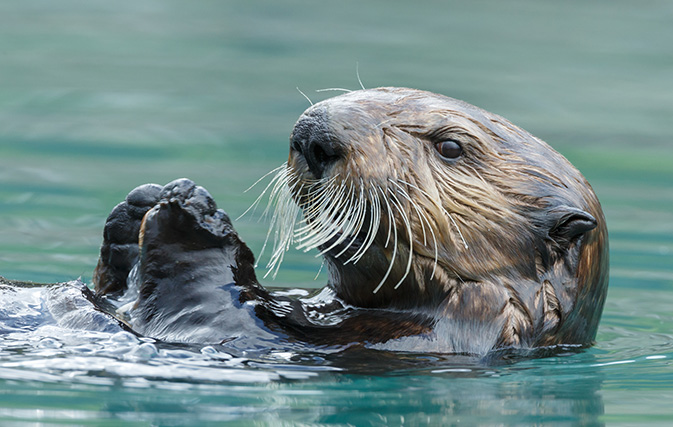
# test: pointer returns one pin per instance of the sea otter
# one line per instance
(443, 227)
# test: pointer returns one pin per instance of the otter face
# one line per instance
(410, 195)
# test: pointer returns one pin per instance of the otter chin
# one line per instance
(443, 227)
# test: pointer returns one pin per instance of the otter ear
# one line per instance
(569, 223)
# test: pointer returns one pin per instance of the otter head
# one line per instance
(413, 198)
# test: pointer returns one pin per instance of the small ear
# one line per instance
(569, 223)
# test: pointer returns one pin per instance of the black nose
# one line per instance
(311, 139)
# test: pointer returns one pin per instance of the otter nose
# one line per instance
(312, 140)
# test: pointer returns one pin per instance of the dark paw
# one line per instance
(119, 251)
(186, 213)
(193, 268)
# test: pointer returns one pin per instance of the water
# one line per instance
(97, 97)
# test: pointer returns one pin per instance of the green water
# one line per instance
(97, 97)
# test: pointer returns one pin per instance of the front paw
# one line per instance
(119, 251)
(185, 214)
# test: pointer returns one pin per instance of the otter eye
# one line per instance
(449, 149)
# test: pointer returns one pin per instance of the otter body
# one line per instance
(444, 228)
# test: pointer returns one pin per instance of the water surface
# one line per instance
(98, 97)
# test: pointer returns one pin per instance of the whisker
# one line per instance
(413, 204)
(322, 264)
(259, 198)
(434, 238)
(384, 122)
(282, 176)
(357, 73)
(334, 89)
(392, 259)
(340, 221)
(422, 217)
(278, 186)
(442, 208)
(282, 221)
(407, 224)
(357, 221)
(310, 214)
(283, 166)
(390, 223)
(327, 226)
(474, 171)
(458, 276)
(349, 224)
(325, 196)
(307, 98)
(457, 228)
(375, 221)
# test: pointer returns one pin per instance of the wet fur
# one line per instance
(504, 248)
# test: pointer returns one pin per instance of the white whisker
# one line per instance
(282, 221)
(390, 223)
(322, 264)
(256, 202)
(383, 123)
(357, 73)
(434, 238)
(334, 89)
(326, 222)
(407, 224)
(345, 219)
(356, 222)
(442, 208)
(283, 166)
(317, 205)
(307, 98)
(457, 228)
(282, 176)
(374, 223)
(392, 259)
(342, 224)
(281, 182)
(422, 218)
(413, 204)
(333, 213)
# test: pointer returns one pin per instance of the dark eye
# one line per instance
(449, 149)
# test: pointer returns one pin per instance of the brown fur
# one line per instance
(533, 261)
(502, 247)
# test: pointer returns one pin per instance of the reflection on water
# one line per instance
(118, 376)
(411, 399)
(98, 97)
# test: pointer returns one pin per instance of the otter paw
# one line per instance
(188, 214)
(119, 251)
(194, 271)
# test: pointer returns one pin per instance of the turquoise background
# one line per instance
(97, 97)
